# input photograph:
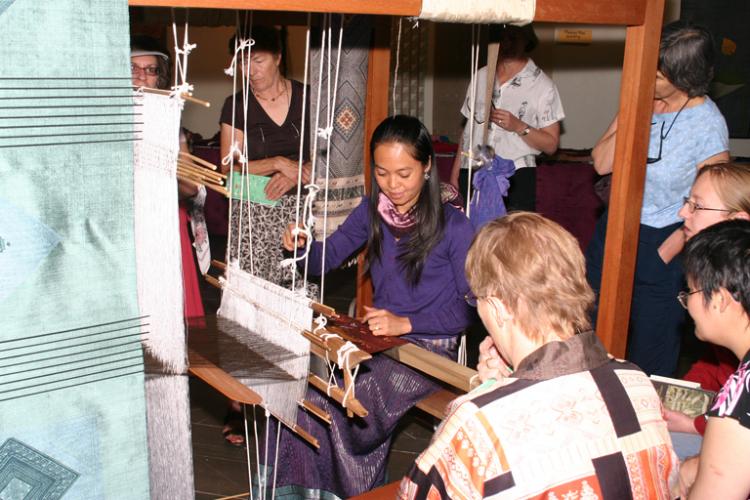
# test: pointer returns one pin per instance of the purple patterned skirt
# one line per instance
(353, 451)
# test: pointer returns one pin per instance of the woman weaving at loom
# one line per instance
(416, 248)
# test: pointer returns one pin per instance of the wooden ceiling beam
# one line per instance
(622, 12)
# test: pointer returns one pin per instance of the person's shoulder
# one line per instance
(455, 217)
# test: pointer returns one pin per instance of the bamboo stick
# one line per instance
(184, 95)
(315, 410)
(219, 189)
(201, 168)
(212, 281)
(323, 309)
(197, 159)
(337, 394)
(199, 175)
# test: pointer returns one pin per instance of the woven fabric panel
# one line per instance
(72, 411)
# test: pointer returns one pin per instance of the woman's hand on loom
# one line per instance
(278, 185)
(384, 323)
(288, 238)
(491, 365)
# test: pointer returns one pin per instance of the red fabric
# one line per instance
(713, 369)
(700, 424)
(193, 301)
(216, 209)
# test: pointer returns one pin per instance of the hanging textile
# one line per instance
(346, 184)
(518, 12)
(161, 295)
(72, 410)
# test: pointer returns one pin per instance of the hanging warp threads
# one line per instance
(265, 318)
(161, 296)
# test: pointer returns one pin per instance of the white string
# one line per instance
(472, 114)
(181, 85)
(331, 116)
(345, 351)
(276, 460)
(230, 157)
(314, 161)
(320, 323)
(395, 69)
(301, 162)
(247, 447)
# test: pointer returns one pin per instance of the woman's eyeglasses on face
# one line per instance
(693, 206)
(682, 297)
(149, 70)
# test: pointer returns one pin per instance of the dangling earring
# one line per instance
(427, 176)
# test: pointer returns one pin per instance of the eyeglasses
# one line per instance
(682, 297)
(149, 70)
(693, 206)
(663, 136)
(472, 299)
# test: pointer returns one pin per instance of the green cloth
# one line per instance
(71, 404)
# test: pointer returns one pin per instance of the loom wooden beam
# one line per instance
(331, 347)
(629, 172)
(622, 12)
(221, 380)
(337, 393)
(376, 106)
(434, 365)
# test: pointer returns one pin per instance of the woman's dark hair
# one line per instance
(266, 38)
(719, 257)
(686, 57)
(515, 41)
(428, 211)
(145, 43)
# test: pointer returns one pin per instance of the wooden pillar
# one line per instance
(629, 172)
(376, 110)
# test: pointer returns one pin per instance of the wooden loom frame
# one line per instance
(643, 19)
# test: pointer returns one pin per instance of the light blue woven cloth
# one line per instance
(72, 412)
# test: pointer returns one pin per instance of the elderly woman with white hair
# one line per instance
(555, 415)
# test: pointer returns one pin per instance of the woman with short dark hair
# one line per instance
(687, 132)
(717, 265)
(525, 114)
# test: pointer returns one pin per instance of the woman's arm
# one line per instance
(455, 315)
(722, 464)
(266, 166)
(603, 153)
(544, 139)
(456, 168)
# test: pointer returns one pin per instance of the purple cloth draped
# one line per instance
(353, 451)
(490, 185)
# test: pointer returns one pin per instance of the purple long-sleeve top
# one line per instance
(436, 305)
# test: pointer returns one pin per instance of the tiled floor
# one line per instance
(221, 469)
